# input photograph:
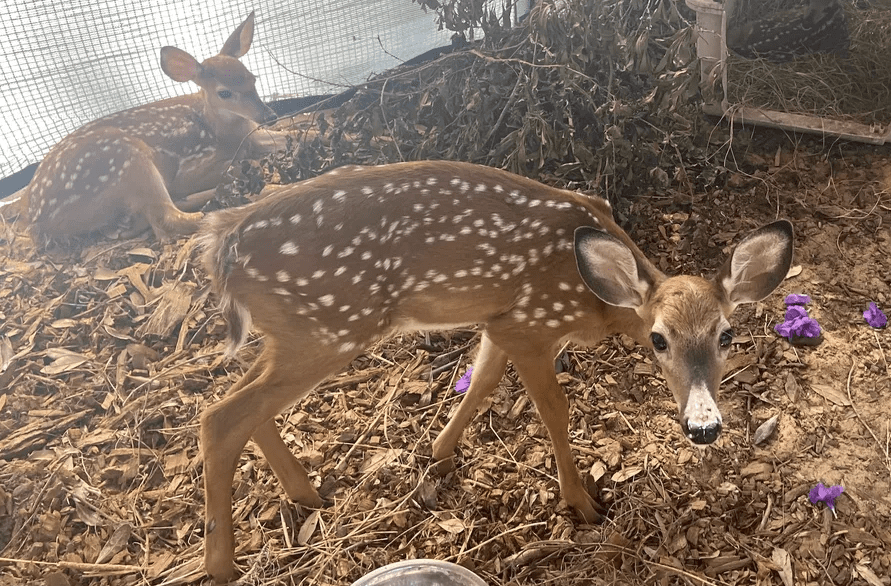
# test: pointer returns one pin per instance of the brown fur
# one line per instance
(328, 266)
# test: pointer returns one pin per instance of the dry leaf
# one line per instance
(453, 526)
(308, 528)
(172, 308)
(161, 562)
(684, 456)
(142, 251)
(781, 558)
(739, 361)
(56, 579)
(747, 376)
(115, 543)
(116, 334)
(378, 459)
(86, 513)
(794, 271)
(756, 468)
(63, 361)
(792, 387)
(6, 353)
(104, 274)
(135, 274)
(626, 473)
(598, 469)
(176, 463)
(868, 575)
(831, 394)
(116, 291)
(765, 430)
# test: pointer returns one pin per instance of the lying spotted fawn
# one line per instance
(328, 266)
(139, 161)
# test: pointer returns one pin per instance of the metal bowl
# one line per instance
(421, 572)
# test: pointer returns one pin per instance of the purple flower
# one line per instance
(825, 494)
(875, 317)
(798, 327)
(464, 382)
(801, 326)
(794, 312)
(806, 328)
(797, 299)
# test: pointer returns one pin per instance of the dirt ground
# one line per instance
(109, 354)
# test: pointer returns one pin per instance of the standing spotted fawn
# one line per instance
(330, 265)
(140, 161)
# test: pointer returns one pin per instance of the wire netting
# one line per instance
(67, 62)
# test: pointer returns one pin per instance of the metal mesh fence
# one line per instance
(67, 62)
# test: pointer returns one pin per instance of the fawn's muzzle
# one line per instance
(701, 419)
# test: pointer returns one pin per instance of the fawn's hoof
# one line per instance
(444, 466)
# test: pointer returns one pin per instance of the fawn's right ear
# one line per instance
(179, 65)
(240, 40)
(758, 264)
(610, 270)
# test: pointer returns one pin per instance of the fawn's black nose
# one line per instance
(702, 434)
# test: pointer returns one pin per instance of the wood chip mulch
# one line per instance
(109, 351)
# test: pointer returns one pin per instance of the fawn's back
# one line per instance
(412, 246)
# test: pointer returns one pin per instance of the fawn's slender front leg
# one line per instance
(536, 369)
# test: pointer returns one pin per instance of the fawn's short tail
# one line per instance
(219, 240)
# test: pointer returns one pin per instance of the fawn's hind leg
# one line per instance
(488, 368)
(268, 387)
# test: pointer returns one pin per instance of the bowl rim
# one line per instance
(446, 567)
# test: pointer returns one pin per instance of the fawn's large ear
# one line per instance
(179, 65)
(758, 264)
(610, 269)
(239, 41)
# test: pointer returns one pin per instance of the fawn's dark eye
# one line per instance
(225, 94)
(659, 343)
(726, 338)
